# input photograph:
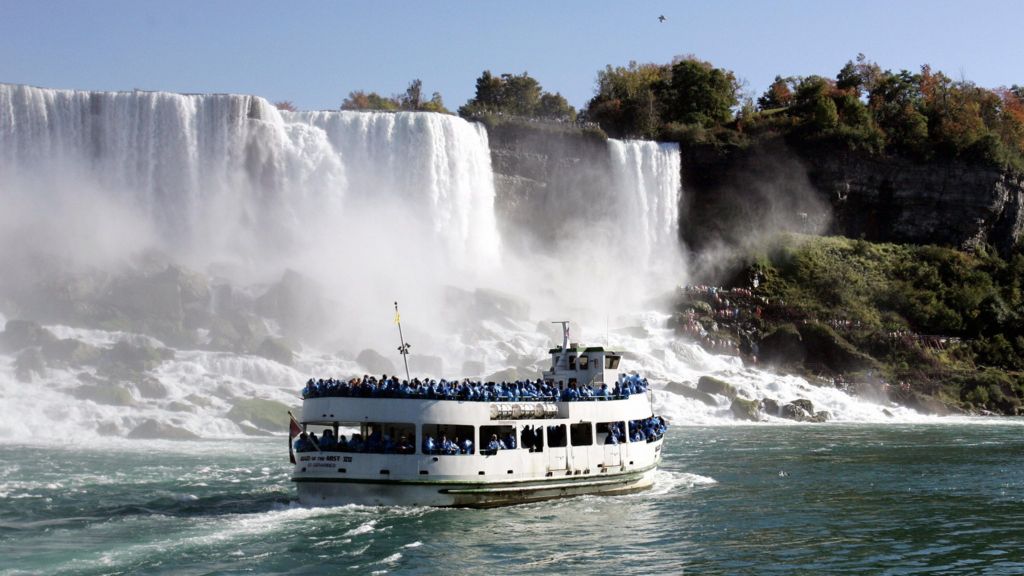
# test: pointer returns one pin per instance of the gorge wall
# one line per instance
(735, 194)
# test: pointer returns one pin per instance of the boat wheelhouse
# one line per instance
(581, 429)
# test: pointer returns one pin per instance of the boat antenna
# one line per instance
(404, 348)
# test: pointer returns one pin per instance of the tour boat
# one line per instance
(522, 449)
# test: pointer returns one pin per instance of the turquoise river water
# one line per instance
(825, 499)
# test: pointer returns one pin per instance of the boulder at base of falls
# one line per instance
(793, 412)
(690, 392)
(70, 352)
(712, 385)
(29, 362)
(770, 406)
(20, 334)
(275, 349)
(783, 346)
(106, 393)
(126, 359)
(926, 404)
(743, 409)
(804, 403)
(155, 430)
(150, 387)
(266, 414)
(821, 416)
(374, 363)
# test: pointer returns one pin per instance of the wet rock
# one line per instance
(821, 416)
(266, 414)
(926, 404)
(238, 332)
(783, 346)
(887, 412)
(825, 346)
(804, 403)
(156, 430)
(374, 363)
(150, 387)
(108, 393)
(793, 412)
(770, 406)
(70, 352)
(201, 401)
(20, 334)
(297, 303)
(485, 304)
(178, 406)
(108, 429)
(30, 362)
(277, 350)
(743, 409)
(690, 392)
(712, 385)
(127, 360)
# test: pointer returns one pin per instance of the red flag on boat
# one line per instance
(294, 429)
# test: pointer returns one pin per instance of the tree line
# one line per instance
(922, 114)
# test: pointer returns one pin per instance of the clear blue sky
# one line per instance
(315, 53)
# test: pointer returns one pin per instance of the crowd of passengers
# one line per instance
(473, 391)
(375, 443)
(646, 430)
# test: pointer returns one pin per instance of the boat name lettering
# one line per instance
(315, 458)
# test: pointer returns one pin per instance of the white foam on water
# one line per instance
(364, 528)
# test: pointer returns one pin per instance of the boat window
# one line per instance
(611, 362)
(365, 437)
(556, 436)
(572, 361)
(532, 438)
(450, 439)
(611, 432)
(494, 438)
(584, 360)
(582, 433)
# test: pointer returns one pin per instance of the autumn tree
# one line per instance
(285, 105)
(515, 95)
(627, 102)
(779, 94)
(360, 100)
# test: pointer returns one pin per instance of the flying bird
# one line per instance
(662, 18)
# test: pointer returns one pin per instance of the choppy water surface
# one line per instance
(867, 499)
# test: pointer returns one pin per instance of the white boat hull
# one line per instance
(339, 492)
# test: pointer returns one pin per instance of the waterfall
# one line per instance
(229, 177)
(647, 190)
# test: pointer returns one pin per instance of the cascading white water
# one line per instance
(647, 189)
(435, 165)
(377, 205)
(228, 177)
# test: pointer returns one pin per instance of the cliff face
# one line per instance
(770, 187)
(737, 198)
(535, 170)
